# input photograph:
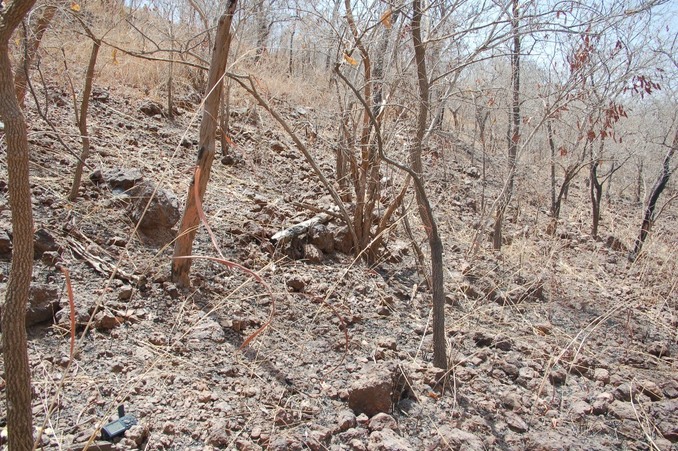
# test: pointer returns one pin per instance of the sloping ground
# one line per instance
(558, 343)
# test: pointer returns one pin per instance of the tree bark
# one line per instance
(183, 246)
(82, 119)
(596, 190)
(425, 210)
(15, 350)
(32, 43)
(658, 188)
(514, 128)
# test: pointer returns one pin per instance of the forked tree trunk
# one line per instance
(425, 210)
(183, 245)
(82, 120)
(658, 188)
(15, 351)
(596, 190)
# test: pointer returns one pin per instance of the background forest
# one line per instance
(339, 224)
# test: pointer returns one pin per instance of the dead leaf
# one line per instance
(75, 7)
(350, 60)
(386, 18)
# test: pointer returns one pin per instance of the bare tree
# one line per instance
(425, 210)
(513, 134)
(15, 350)
(81, 117)
(657, 189)
(181, 265)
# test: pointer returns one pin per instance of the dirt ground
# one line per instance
(557, 343)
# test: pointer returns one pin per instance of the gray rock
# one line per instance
(219, 435)
(353, 434)
(515, 422)
(580, 408)
(119, 179)
(650, 389)
(669, 388)
(342, 240)
(622, 410)
(162, 213)
(44, 242)
(137, 434)
(550, 441)
(5, 244)
(43, 303)
(150, 108)
(601, 403)
(382, 421)
(346, 420)
(312, 254)
(451, 438)
(387, 440)
(206, 329)
(322, 238)
(626, 392)
(296, 283)
(601, 375)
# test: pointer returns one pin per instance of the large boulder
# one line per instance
(43, 304)
(155, 209)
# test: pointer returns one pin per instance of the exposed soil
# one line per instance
(556, 343)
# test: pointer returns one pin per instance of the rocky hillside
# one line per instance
(555, 343)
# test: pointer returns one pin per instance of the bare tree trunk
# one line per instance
(552, 147)
(14, 345)
(32, 44)
(639, 184)
(595, 189)
(425, 210)
(183, 246)
(263, 29)
(170, 80)
(658, 188)
(225, 120)
(82, 119)
(608, 188)
(290, 66)
(367, 177)
(378, 73)
(514, 129)
(335, 16)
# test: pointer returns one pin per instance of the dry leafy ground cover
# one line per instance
(557, 343)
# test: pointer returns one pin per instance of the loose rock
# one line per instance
(382, 421)
(447, 437)
(374, 391)
(387, 440)
(162, 213)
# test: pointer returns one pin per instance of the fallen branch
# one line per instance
(299, 229)
(99, 264)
